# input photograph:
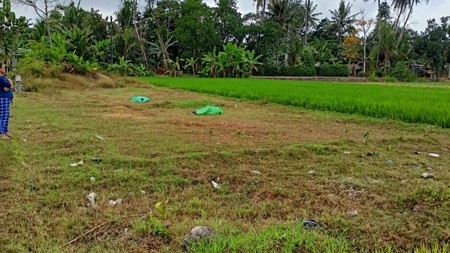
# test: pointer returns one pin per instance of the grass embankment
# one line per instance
(430, 105)
(313, 165)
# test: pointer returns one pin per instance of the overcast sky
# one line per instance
(423, 12)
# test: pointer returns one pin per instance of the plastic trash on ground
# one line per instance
(80, 163)
(309, 223)
(215, 185)
(140, 99)
(99, 137)
(92, 197)
(96, 159)
(115, 202)
(208, 110)
(427, 175)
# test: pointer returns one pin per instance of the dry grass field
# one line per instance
(276, 165)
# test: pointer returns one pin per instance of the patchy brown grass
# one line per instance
(164, 150)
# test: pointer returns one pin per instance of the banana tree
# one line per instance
(251, 61)
(191, 63)
(210, 60)
(173, 67)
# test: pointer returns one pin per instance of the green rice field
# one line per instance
(425, 103)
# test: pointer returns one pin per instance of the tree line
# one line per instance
(170, 36)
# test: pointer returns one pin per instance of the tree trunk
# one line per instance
(398, 17)
(448, 66)
(111, 41)
(379, 34)
(365, 54)
(400, 37)
(142, 46)
(306, 26)
(264, 9)
(47, 24)
(163, 50)
(137, 33)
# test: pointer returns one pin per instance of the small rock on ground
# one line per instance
(197, 233)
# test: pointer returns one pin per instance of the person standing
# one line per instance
(6, 97)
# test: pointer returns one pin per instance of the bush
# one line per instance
(389, 79)
(267, 70)
(297, 71)
(402, 72)
(411, 76)
(333, 70)
(374, 77)
(78, 65)
(38, 68)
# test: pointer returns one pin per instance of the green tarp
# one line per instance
(140, 99)
(208, 110)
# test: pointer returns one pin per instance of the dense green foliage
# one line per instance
(172, 36)
(407, 103)
(333, 70)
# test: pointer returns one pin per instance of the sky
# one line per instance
(418, 21)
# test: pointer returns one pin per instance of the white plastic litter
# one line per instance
(115, 202)
(92, 179)
(255, 172)
(311, 172)
(99, 137)
(215, 185)
(427, 175)
(91, 197)
(80, 163)
(352, 213)
(434, 155)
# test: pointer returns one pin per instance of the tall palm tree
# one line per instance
(378, 25)
(310, 17)
(402, 6)
(285, 13)
(387, 44)
(342, 19)
(261, 6)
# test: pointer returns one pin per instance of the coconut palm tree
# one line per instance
(261, 6)
(402, 6)
(342, 19)
(378, 25)
(286, 13)
(311, 18)
(387, 44)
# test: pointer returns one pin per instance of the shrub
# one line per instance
(80, 66)
(297, 71)
(38, 68)
(151, 226)
(373, 77)
(267, 70)
(333, 70)
(389, 79)
(411, 76)
(402, 72)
